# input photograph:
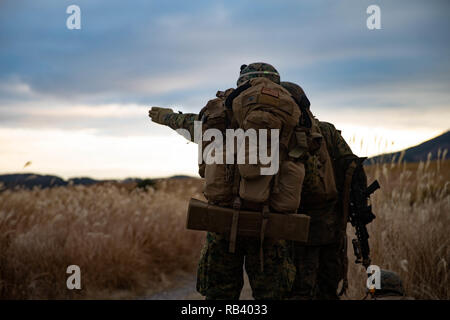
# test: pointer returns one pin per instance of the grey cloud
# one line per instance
(178, 53)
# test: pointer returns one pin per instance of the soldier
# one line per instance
(391, 288)
(322, 263)
(220, 273)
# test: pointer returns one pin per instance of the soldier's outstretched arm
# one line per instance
(167, 117)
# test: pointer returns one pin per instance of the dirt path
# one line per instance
(185, 290)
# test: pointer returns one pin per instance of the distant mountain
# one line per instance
(419, 152)
(30, 180)
(180, 177)
(131, 180)
(84, 181)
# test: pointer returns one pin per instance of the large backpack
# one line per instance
(257, 104)
(218, 186)
(319, 187)
(304, 162)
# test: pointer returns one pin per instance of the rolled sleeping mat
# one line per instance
(207, 217)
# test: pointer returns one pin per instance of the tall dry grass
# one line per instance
(132, 241)
(411, 232)
(123, 241)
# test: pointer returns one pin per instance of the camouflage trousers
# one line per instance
(220, 273)
(319, 270)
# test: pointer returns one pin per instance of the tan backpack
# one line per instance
(319, 186)
(262, 104)
(218, 187)
(304, 162)
(267, 105)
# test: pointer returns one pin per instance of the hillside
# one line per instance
(419, 152)
(31, 180)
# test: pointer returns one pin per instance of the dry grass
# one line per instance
(411, 232)
(125, 242)
(130, 241)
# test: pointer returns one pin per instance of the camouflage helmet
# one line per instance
(293, 88)
(297, 93)
(259, 69)
(391, 284)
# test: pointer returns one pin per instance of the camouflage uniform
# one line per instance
(322, 263)
(181, 121)
(220, 273)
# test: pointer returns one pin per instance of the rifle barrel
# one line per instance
(372, 188)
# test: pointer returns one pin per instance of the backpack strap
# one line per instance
(235, 93)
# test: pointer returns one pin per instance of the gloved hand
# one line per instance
(157, 114)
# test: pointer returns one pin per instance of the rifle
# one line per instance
(360, 213)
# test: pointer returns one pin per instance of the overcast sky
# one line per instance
(74, 102)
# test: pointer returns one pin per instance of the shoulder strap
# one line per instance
(235, 93)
